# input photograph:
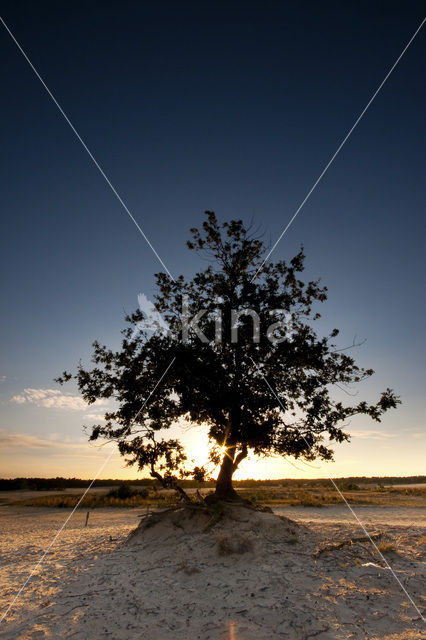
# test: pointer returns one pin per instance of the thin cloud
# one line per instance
(51, 399)
(370, 434)
(29, 441)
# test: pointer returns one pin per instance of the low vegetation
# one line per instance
(303, 494)
(387, 547)
(345, 484)
(317, 495)
(122, 496)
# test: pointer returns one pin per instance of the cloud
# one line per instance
(419, 435)
(94, 416)
(28, 441)
(52, 399)
(3, 378)
(371, 434)
(20, 399)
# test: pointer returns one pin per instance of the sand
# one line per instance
(174, 580)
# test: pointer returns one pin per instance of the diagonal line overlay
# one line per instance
(92, 157)
(58, 533)
(339, 148)
(348, 505)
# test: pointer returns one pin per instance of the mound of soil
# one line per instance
(230, 572)
(230, 519)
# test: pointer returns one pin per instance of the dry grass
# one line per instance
(308, 499)
(319, 496)
(227, 545)
(94, 501)
(387, 547)
(316, 495)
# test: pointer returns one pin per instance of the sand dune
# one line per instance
(173, 580)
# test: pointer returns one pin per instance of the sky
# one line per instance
(234, 107)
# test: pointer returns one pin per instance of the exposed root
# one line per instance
(348, 541)
(202, 517)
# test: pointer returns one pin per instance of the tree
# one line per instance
(259, 388)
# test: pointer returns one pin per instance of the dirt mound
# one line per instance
(230, 527)
(230, 572)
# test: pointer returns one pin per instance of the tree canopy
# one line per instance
(239, 356)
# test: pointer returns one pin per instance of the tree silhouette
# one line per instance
(249, 366)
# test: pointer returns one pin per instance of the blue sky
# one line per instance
(234, 107)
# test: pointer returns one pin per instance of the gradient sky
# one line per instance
(230, 106)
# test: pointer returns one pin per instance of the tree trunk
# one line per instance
(224, 488)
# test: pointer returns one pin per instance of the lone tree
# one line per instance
(239, 356)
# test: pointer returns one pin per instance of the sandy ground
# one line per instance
(171, 581)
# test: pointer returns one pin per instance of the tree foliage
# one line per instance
(267, 393)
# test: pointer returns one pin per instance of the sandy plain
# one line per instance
(177, 581)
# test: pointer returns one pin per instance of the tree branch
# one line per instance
(170, 483)
(240, 457)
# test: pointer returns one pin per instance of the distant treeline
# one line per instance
(55, 484)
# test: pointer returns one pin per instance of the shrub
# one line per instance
(124, 491)
(349, 486)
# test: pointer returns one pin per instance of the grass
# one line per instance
(308, 499)
(95, 501)
(387, 547)
(301, 495)
(319, 496)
